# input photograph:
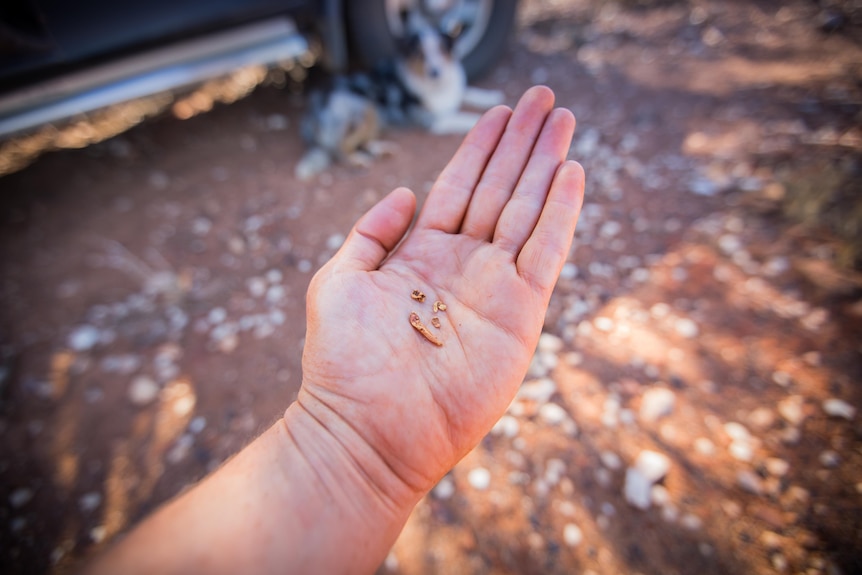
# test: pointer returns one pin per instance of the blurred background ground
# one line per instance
(152, 305)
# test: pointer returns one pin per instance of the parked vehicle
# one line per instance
(58, 59)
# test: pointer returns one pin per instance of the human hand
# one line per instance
(489, 242)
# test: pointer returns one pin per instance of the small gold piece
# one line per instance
(435, 321)
(439, 306)
(418, 326)
(417, 295)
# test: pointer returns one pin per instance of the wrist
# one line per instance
(345, 467)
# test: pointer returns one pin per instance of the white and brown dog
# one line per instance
(435, 81)
(425, 85)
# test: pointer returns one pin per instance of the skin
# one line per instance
(383, 413)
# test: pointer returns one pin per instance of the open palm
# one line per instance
(489, 243)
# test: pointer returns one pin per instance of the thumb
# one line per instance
(378, 231)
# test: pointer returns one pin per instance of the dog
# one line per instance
(340, 126)
(423, 85)
(435, 81)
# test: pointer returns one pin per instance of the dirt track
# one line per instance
(153, 309)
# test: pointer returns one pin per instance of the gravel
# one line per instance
(479, 478)
(143, 390)
(649, 468)
(656, 403)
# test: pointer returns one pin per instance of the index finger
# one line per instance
(447, 203)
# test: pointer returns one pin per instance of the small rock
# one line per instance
(217, 315)
(749, 481)
(812, 358)
(610, 229)
(236, 245)
(637, 489)
(197, 424)
(334, 241)
(548, 359)
(228, 343)
(548, 342)
(660, 496)
(277, 122)
(143, 390)
(274, 276)
(829, 458)
(605, 324)
(782, 378)
(649, 468)
(792, 409)
(275, 294)
(84, 337)
(554, 471)
(180, 449)
(686, 328)
(656, 403)
(539, 75)
(790, 435)
(776, 467)
(445, 488)
(98, 533)
(159, 180)
(771, 540)
(20, 497)
(256, 286)
(729, 243)
(659, 310)
(779, 562)
(704, 446)
(603, 477)
(538, 390)
(737, 432)
(611, 412)
(741, 451)
(761, 418)
(610, 460)
(507, 426)
(652, 464)
(124, 364)
(90, 501)
(691, 522)
(839, 408)
(479, 478)
(572, 535)
(552, 413)
(303, 266)
(587, 143)
(569, 271)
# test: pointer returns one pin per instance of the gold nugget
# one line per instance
(418, 326)
(439, 306)
(418, 295)
(435, 321)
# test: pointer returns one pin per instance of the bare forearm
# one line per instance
(293, 501)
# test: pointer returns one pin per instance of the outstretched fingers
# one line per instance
(544, 253)
(447, 203)
(523, 209)
(506, 166)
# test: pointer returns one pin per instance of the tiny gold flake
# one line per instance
(439, 306)
(435, 321)
(418, 326)
(418, 295)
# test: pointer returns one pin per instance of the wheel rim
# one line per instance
(472, 16)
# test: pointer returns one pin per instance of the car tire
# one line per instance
(372, 39)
